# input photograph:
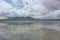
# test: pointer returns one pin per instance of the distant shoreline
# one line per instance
(35, 20)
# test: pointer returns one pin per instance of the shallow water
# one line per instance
(29, 30)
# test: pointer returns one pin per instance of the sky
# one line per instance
(39, 9)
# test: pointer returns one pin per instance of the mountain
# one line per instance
(20, 18)
(26, 19)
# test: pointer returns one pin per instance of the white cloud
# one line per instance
(4, 7)
(17, 13)
(54, 15)
(40, 9)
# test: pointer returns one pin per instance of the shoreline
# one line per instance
(34, 20)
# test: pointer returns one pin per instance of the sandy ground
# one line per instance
(28, 32)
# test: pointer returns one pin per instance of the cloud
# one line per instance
(52, 4)
(39, 9)
(51, 10)
(13, 12)
(54, 15)
(4, 7)
(17, 13)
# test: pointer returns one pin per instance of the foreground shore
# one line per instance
(29, 30)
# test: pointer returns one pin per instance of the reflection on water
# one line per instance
(29, 31)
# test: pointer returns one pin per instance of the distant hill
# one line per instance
(20, 18)
(30, 18)
(26, 19)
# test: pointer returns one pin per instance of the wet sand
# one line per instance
(27, 31)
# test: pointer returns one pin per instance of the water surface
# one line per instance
(29, 30)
